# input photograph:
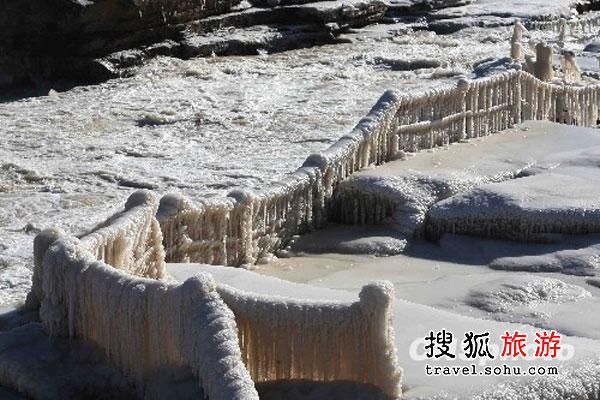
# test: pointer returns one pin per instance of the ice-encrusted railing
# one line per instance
(284, 339)
(145, 325)
(228, 338)
(583, 23)
(245, 227)
(131, 240)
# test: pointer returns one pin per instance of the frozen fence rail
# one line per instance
(245, 227)
(584, 23)
(302, 340)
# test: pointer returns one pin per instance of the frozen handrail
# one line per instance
(131, 240)
(294, 339)
(245, 226)
(144, 325)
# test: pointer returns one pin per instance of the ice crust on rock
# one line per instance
(558, 196)
(512, 295)
(584, 261)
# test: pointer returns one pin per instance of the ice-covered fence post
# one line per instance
(376, 301)
(172, 206)
(543, 62)
(562, 31)
(59, 269)
(463, 87)
(210, 344)
(41, 244)
(516, 47)
(245, 207)
(516, 84)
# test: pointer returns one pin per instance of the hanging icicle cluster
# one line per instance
(226, 337)
(245, 227)
(290, 339)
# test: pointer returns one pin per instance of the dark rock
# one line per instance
(353, 14)
(53, 39)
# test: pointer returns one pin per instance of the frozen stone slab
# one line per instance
(584, 261)
(403, 191)
(560, 197)
(413, 321)
(345, 239)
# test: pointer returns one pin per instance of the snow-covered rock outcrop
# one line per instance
(560, 197)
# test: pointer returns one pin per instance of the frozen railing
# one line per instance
(131, 240)
(584, 23)
(317, 341)
(144, 325)
(245, 227)
(147, 326)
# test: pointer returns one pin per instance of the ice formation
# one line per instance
(516, 45)
(130, 240)
(571, 71)
(584, 261)
(542, 66)
(559, 196)
(291, 339)
(133, 320)
(508, 295)
(245, 226)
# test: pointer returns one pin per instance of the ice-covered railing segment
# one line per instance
(148, 326)
(291, 339)
(588, 22)
(144, 325)
(131, 240)
(245, 227)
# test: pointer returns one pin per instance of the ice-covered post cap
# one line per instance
(202, 283)
(543, 62)
(170, 204)
(462, 83)
(139, 198)
(241, 196)
(316, 160)
(41, 244)
(377, 295)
